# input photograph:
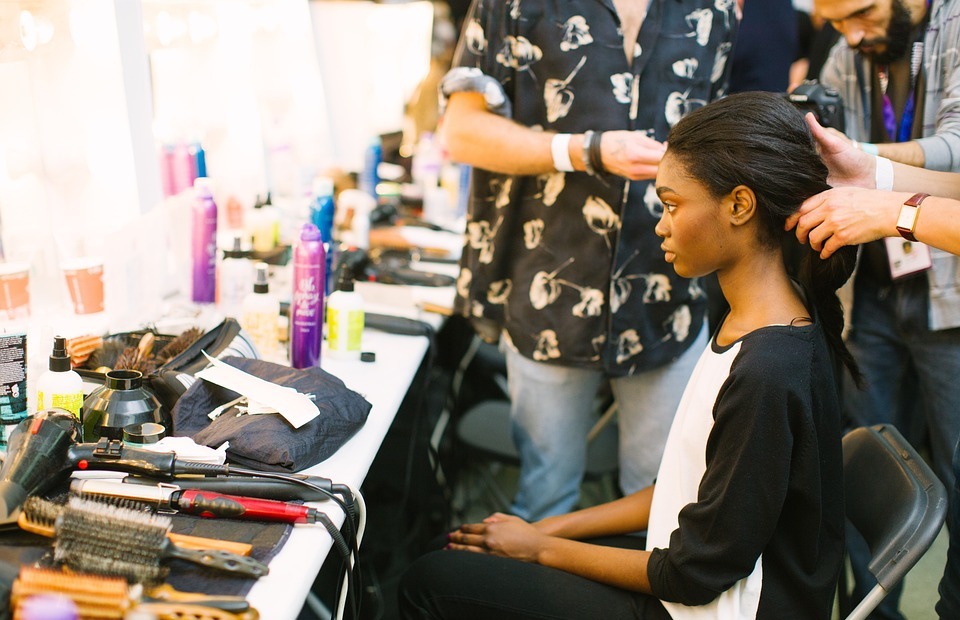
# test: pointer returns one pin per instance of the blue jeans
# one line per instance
(553, 410)
(911, 381)
(949, 605)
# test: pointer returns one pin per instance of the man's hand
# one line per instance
(847, 164)
(500, 534)
(631, 154)
(846, 216)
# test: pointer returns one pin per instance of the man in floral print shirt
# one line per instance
(561, 258)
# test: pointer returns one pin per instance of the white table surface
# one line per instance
(384, 383)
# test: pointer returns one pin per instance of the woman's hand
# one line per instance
(500, 534)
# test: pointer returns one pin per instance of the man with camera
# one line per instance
(898, 73)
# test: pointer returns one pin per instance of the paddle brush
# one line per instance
(111, 540)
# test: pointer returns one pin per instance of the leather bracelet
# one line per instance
(909, 214)
(588, 166)
(596, 157)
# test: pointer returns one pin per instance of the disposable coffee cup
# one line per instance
(84, 278)
(14, 291)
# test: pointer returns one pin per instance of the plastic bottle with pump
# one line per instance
(344, 319)
(204, 246)
(234, 279)
(261, 314)
(306, 308)
(322, 211)
(60, 386)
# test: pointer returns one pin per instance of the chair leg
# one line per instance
(843, 589)
(868, 604)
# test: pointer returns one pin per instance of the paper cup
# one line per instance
(85, 282)
(14, 291)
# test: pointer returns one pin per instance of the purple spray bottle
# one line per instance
(204, 247)
(306, 309)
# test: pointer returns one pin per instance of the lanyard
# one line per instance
(901, 132)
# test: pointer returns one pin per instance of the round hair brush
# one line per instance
(111, 540)
(39, 516)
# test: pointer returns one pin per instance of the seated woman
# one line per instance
(746, 517)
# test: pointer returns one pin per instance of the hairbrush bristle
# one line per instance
(111, 540)
(41, 511)
(179, 344)
(132, 358)
(106, 355)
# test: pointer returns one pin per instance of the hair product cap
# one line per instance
(148, 432)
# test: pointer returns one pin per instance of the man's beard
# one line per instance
(898, 38)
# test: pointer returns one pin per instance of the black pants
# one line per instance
(460, 585)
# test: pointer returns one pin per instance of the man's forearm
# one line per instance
(908, 153)
(933, 182)
(480, 138)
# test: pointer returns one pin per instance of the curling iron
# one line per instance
(198, 502)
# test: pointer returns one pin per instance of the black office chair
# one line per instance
(894, 500)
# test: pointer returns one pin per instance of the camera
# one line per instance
(825, 103)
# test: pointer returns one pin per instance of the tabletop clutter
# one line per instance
(95, 491)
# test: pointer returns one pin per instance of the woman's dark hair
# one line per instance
(761, 141)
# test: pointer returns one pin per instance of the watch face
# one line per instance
(908, 218)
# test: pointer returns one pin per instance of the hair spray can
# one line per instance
(204, 247)
(306, 309)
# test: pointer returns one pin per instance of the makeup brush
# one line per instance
(39, 516)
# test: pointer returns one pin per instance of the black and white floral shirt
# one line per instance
(567, 263)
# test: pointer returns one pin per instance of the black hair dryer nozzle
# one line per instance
(37, 457)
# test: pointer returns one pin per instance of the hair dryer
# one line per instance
(36, 457)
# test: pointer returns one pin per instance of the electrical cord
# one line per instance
(350, 501)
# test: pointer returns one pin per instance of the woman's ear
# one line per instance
(742, 204)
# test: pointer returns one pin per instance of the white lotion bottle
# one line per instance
(260, 315)
(344, 319)
(60, 386)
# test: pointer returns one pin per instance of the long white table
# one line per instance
(384, 383)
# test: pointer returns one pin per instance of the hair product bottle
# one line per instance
(369, 177)
(306, 308)
(322, 211)
(344, 319)
(60, 386)
(234, 279)
(204, 247)
(260, 315)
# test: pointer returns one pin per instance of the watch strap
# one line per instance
(909, 213)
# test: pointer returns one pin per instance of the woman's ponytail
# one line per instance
(821, 278)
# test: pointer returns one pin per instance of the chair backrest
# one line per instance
(893, 499)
